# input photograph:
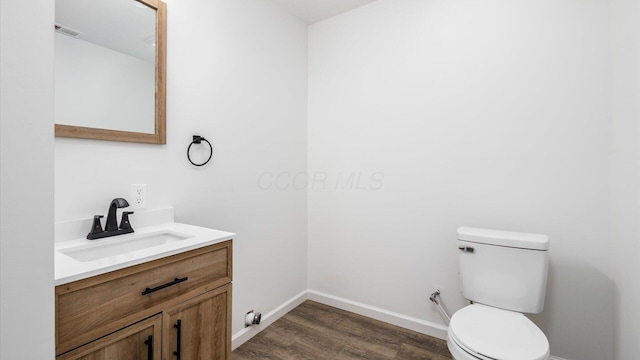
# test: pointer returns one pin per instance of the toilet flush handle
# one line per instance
(466, 249)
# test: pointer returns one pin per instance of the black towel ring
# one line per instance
(197, 139)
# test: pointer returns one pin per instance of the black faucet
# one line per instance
(111, 228)
(112, 222)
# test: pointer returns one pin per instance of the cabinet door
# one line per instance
(199, 328)
(140, 341)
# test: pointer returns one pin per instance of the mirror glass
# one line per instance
(107, 67)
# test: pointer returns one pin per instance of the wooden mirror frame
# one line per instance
(160, 135)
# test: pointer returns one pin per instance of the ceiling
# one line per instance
(127, 27)
(311, 11)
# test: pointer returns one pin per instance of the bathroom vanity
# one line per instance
(169, 300)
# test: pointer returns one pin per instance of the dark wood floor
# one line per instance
(314, 331)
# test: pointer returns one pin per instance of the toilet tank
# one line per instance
(503, 269)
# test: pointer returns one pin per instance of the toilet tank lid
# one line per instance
(504, 238)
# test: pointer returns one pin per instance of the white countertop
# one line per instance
(68, 269)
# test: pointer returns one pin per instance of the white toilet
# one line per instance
(503, 274)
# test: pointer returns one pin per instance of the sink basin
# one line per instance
(108, 247)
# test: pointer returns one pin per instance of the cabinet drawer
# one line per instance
(90, 308)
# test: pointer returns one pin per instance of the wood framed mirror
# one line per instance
(110, 77)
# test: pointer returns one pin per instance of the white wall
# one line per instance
(26, 179)
(489, 114)
(626, 176)
(236, 75)
(103, 88)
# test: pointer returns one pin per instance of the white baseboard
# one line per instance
(404, 321)
(245, 334)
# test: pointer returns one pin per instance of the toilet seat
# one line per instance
(460, 353)
(490, 333)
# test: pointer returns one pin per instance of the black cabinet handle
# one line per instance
(176, 281)
(149, 343)
(178, 327)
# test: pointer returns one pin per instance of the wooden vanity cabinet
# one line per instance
(182, 299)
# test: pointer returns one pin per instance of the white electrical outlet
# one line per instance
(138, 196)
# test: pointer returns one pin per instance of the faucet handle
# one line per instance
(96, 227)
(124, 222)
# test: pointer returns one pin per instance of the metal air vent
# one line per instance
(68, 31)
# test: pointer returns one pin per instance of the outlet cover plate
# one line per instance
(138, 196)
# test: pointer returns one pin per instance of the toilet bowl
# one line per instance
(504, 275)
(483, 332)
